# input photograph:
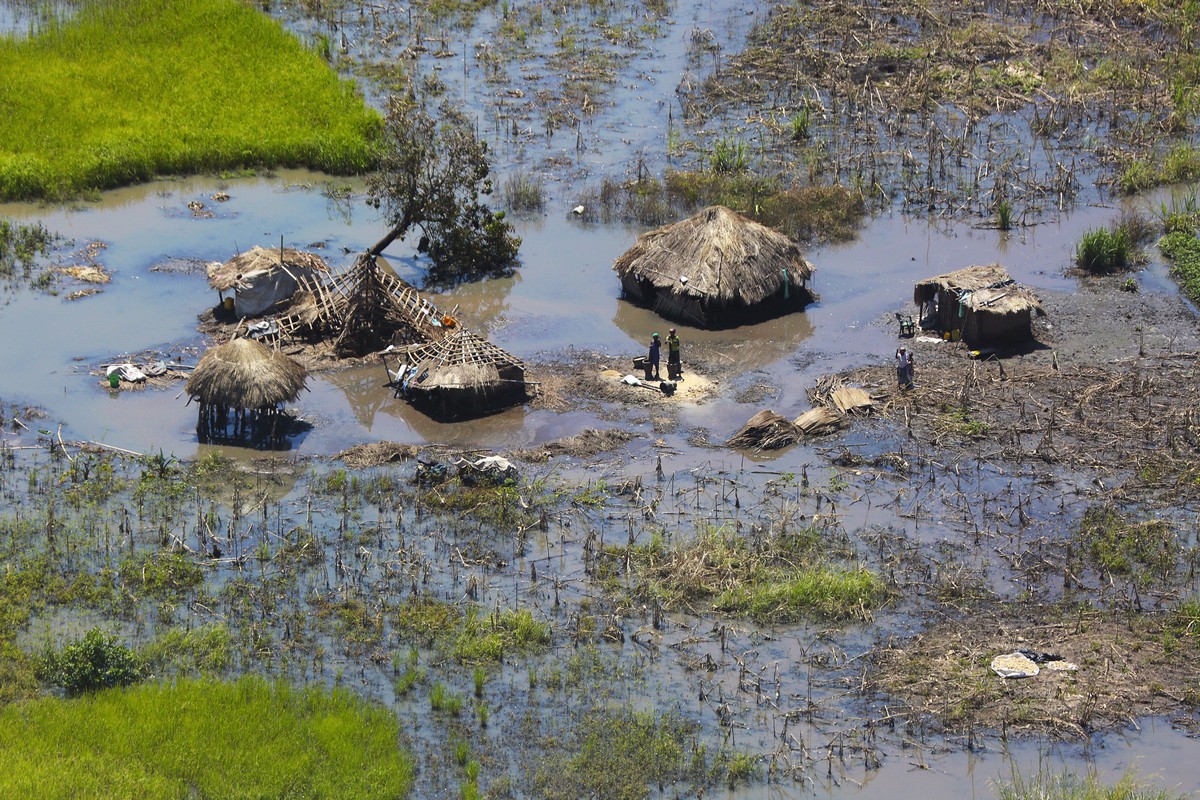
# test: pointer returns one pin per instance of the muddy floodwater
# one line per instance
(942, 519)
(564, 296)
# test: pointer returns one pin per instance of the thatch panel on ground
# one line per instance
(716, 268)
(849, 399)
(818, 420)
(766, 430)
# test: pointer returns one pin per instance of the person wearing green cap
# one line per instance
(654, 356)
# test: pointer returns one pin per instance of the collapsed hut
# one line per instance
(983, 304)
(716, 269)
(363, 310)
(261, 278)
(240, 387)
(460, 376)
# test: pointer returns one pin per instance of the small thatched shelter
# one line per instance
(461, 375)
(716, 269)
(249, 379)
(262, 277)
(983, 303)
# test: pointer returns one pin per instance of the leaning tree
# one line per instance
(434, 176)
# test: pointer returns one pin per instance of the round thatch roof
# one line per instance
(243, 373)
(717, 254)
(262, 259)
(462, 360)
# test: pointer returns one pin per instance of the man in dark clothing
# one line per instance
(654, 355)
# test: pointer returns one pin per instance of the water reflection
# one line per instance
(745, 348)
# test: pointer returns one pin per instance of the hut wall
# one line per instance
(266, 288)
(985, 328)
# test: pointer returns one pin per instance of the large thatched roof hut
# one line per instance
(984, 303)
(262, 277)
(249, 379)
(461, 375)
(716, 269)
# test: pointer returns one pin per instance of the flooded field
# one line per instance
(508, 625)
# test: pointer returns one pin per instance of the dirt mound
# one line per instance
(374, 454)
(589, 443)
(1129, 666)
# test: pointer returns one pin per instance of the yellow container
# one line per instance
(228, 303)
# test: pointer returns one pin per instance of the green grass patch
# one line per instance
(1104, 250)
(619, 754)
(1071, 786)
(822, 591)
(1184, 251)
(203, 739)
(125, 90)
(779, 578)
(468, 634)
(1147, 550)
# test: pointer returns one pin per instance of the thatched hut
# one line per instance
(983, 303)
(716, 269)
(262, 277)
(248, 379)
(461, 375)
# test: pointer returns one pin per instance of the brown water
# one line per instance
(564, 296)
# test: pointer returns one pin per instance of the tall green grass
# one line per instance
(1069, 786)
(202, 739)
(129, 89)
(1184, 251)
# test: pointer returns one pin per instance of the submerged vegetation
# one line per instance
(121, 91)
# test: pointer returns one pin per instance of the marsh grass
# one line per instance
(777, 579)
(1184, 251)
(619, 754)
(21, 246)
(524, 192)
(825, 213)
(1147, 550)
(1044, 785)
(206, 739)
(125, 90)
(1103, 250)
(468, 634)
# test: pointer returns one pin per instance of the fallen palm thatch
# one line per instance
(588, 443)
(766, 430)
(716, 268)
(818, 420)
(374, 454)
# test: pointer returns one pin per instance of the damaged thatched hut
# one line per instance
(240, 387)
(262, 277)
(461, 375)
(983, 303)
(716, 269)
